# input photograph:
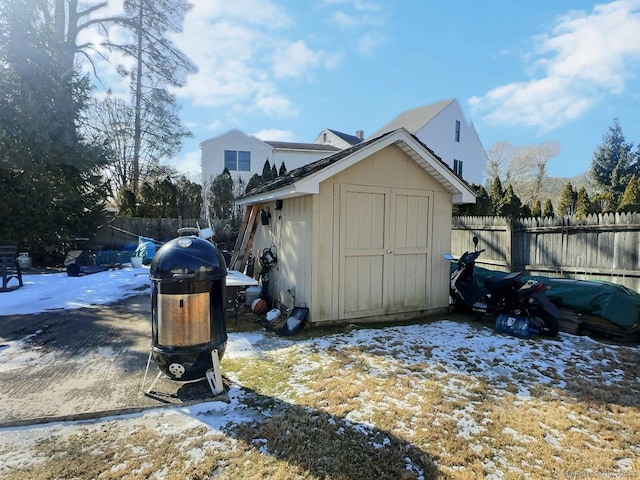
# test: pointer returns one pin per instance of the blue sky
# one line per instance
(524, 72)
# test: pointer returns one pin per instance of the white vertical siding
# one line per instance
(289, 232)
(439, 136)
(213, 154)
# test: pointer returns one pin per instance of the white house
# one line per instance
(243, 155)
(442, 126)
(339, 139)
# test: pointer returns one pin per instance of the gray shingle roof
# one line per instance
(350, 139)
(300, 173)
(302, 146)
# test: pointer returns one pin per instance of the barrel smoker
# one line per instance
(188, 310)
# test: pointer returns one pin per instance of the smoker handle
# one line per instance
(179, 276)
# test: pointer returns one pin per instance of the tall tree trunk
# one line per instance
(138, 94)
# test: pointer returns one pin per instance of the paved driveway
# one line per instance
(83, 363)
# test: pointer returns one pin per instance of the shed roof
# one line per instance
(306, 179)
(414, 119)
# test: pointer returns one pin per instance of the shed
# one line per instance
(359, 235)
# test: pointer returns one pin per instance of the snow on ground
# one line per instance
(56, 291)
(443, 348)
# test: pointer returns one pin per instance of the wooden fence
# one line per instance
(598, 247)
(122, 231)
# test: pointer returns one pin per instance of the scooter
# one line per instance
(521, 307)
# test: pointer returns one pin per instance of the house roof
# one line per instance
(301, 146)
(350, 139)
(306, 179)
(414, 119)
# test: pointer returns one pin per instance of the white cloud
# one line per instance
(369, 42)
(275, 135)
(583, 58)
(297, 58)
(189, 165)
(242, 49)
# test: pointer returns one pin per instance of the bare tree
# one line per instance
(499, 158)
(530, 168)
(158, 63)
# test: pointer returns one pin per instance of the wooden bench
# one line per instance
(9, 266)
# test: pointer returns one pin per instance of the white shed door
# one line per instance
(384, 250)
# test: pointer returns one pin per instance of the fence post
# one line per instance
(509, 242)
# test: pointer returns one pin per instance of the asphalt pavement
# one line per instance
(84, 363)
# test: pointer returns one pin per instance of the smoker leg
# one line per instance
(144, 380)
(214, 377)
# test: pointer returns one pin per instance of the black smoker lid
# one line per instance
(187, 257)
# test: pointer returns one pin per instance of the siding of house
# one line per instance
(213, 154)
(439, 135)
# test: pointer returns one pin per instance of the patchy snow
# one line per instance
(449, 351)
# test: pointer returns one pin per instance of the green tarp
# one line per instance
(616, 303)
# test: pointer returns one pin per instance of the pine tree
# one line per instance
(267, 172)
(613, 162)
(283, 170)
(567, 205)
(631, 198)
(254, 182)
(547, 209)
(536, 210)
(511, 206)
(496, 195)
(480, 208)
(220, 195)
(583, 203)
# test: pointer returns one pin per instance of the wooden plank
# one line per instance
(243, 228)
(242, 253)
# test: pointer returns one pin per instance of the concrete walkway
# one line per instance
(85, 363)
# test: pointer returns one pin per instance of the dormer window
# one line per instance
(457, 130)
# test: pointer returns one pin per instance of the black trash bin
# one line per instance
(188, 307)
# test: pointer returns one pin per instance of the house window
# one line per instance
(237, 160)
(457, 167)
(457, 130)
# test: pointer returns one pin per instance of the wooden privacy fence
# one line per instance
(598, 247)
(121, 231)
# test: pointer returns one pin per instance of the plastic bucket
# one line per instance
(136, 262)
(251, 294)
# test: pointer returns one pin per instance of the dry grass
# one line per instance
(390, 405)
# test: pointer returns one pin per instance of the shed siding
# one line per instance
(289, 231)
(390, 168)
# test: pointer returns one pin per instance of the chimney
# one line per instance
(360, 134)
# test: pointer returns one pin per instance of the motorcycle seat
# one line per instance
(498, 281)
